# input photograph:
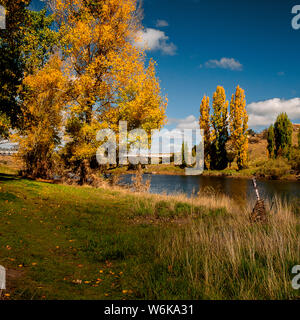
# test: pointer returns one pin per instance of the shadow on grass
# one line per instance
(8, 177)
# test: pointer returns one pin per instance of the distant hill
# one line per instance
(258, 144)
(295, 133)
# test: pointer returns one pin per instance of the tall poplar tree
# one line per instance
(283, 131)
(219, 121)
(205, 126)
(239, 127)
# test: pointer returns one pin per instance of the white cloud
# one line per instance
(171, 140)
(155, 40)
(189, 122)
(162, 23)
(264, 113)
(224, 63)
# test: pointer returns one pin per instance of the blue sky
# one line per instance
(201, 44)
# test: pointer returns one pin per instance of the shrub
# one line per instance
(295, 160)
(274, 168)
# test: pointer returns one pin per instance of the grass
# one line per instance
(165, 169)
(65, 242)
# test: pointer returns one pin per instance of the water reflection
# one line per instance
(240, 190)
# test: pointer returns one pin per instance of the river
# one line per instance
(240, 190)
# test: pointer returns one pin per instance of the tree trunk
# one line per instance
(84, 172)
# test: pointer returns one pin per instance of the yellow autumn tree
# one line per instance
(108, 80)
(43, 103)
(205, 126)
(219, 136)
(239, 127)
(138, 99)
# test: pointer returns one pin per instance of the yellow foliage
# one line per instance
(205, 126)
(43, 103)
(108, 78)
(220, 113)
(239, 126)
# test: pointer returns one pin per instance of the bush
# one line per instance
(295, 160)
(274, 168)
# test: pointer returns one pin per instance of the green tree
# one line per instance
(39, 40)
(271, 142)
(11, 60)
(251, 132)
(24, 48)
(283, 131)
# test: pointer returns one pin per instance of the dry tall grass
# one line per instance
(217, 253)
(227, 257)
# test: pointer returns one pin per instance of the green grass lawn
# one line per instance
(64, 242)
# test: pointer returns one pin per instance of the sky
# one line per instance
(199, 45)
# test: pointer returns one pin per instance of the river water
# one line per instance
(240, 190)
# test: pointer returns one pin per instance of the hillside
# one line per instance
(295, 134)
(258, 145)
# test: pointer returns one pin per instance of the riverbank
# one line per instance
(66, 242)
(228, 173)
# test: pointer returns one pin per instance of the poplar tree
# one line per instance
(239, 127)
(219, 137)
(205, 126)
(283, 131)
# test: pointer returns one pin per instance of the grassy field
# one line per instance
(65, 242)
